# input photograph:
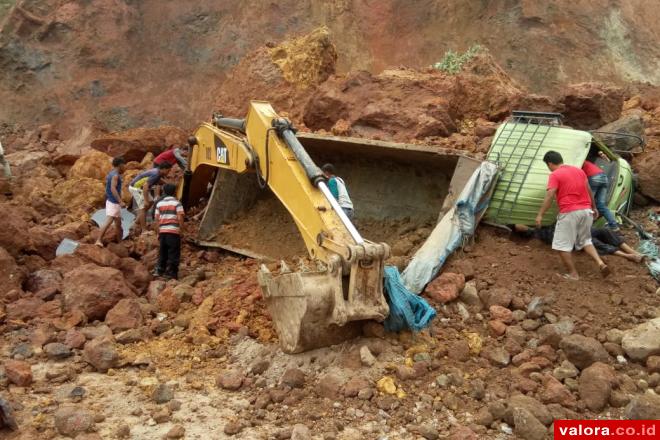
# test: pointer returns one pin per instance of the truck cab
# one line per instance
(518, 148)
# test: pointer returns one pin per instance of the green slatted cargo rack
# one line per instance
(518, 148)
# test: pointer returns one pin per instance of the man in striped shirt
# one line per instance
(169, 218)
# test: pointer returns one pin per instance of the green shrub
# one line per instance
(452, 62)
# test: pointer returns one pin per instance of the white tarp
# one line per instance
(457, 225)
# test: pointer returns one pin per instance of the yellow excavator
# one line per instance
(309, 308)
(397, 188)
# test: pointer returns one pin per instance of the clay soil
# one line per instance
(267, 229)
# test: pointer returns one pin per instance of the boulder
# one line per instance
(526, 426)
(66, 263)
(71, 421)
(230, 380)
(642, 341)
(101, 353)
(167, 301)
(125, 315)
(470, 296)
(355, 385)
(446, 287)
(582, 351)
(135, 143)
(93, 165)
(329, 386)
(294, 378)
(536, 408)
(653, 364)
(57, 351)
(98, 255)
(14, 233)
(44, 279)
(24, 309)
(595, 385)
(11, 275)
(79, 194)
(501, 314)
(43, 242)
(154, 289)
(497, 296)
(647, 167)
(18, 372)
(587, 106)
(556, 392)
(565, 371)
(134, 335)
(632, 124)
(361, 103)
(26, 161)
(644, 407)
(497, 356)
(74, 339)
(552, 334)
(94, 290)
(7, 419)
(135, 273)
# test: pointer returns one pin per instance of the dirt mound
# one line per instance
(109, 65)
(134, 144)
(266, 228)
(308, 60)
(588, 106)
(405, 104)
(79, 194)
(284, 75)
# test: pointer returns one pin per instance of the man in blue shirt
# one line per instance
(113, 203)
(338, 189)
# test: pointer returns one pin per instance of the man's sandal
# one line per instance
(567, 277)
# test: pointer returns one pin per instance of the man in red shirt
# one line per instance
(173, 156)
(576, 213)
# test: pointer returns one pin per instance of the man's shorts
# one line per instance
(573, 230)
(112, 209)
(138, 197)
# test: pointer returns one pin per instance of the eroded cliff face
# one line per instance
(116, 64)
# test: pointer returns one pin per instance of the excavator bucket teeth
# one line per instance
(301, 306)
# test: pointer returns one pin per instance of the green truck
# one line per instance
(518, 148)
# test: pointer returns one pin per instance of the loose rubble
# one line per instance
(96, 348)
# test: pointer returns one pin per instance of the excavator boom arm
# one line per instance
(350, 287)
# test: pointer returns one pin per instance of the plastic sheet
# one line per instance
(458, 224)
(127, 220)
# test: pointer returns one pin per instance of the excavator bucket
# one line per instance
(301, 304)
(396, 189)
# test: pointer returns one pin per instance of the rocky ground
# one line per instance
(93, 347)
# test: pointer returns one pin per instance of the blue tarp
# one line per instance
(407, 310)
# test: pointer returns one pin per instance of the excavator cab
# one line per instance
(269, 200)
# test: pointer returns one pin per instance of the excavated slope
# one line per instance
(114, 64)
